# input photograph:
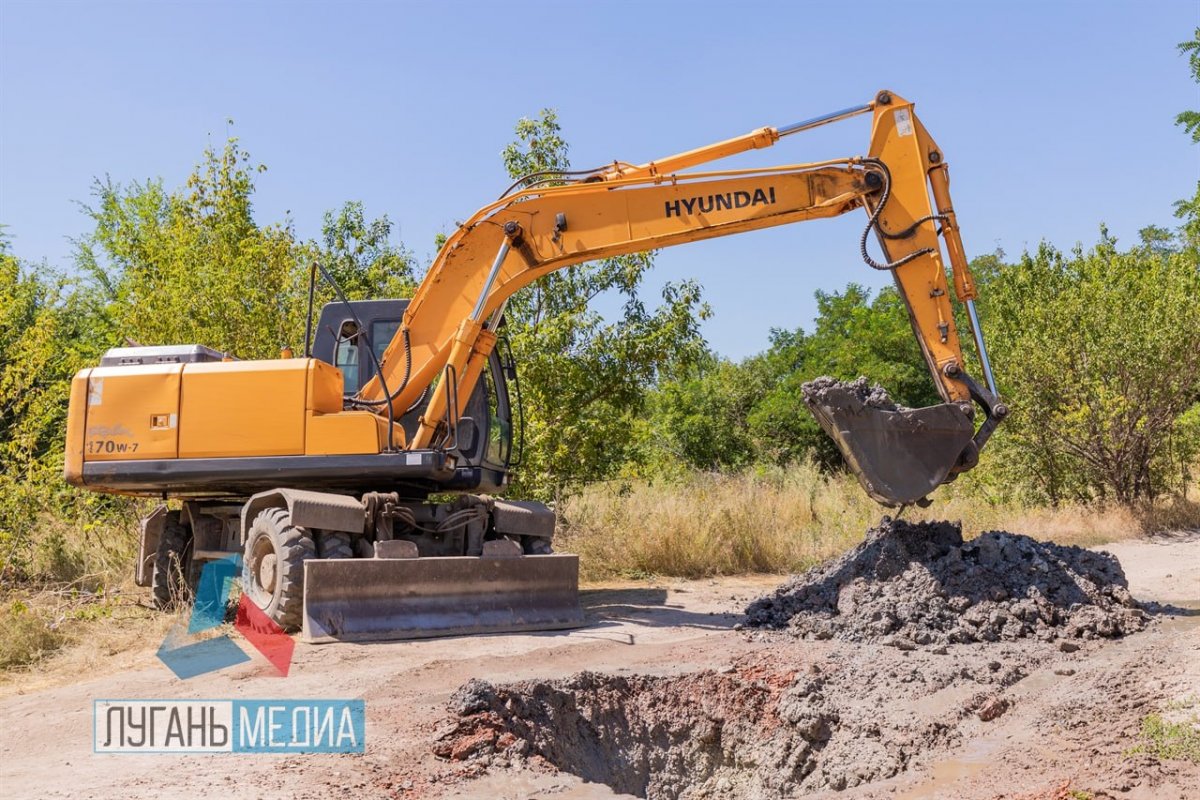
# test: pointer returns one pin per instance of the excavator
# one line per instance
(359, 485)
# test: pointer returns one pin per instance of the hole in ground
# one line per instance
(769, 726)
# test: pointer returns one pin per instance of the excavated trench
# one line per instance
(801, 715)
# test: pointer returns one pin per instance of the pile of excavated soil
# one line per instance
(914, 584)
(818, 390)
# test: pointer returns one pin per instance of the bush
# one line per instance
(1099, 355)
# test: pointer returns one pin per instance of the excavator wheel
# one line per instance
(171, 579)
(536, 546)
(334, 544)
(273, 567)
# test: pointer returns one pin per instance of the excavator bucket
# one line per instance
(899, 455)
(371, 599)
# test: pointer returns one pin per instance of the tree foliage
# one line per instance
(193, 265)
(583, 375)
(726, 415)
(48, 330)
(1099, 352)
(1189, 210)
(160, 266)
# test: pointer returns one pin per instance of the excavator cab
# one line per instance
(353, 336)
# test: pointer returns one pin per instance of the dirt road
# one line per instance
(907, 723)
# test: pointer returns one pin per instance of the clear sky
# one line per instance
(1054, 116)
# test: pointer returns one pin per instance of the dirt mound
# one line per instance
(818, 390)
(914, 584)
(772, 725)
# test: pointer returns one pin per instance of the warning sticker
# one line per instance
(904, 126)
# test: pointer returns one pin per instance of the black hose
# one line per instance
(873, 222)
(391, 398)
(554, 174)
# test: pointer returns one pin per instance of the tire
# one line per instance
(273, 567)
(170, 582)
(536, 546)
(334, 544)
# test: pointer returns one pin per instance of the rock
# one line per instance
(472, 697)
(992, 707)
(900, 643)
(1067, 646)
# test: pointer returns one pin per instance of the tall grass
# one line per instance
(788, 519)
(69, 582)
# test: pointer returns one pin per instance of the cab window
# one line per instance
(345, 354)
(382, 332)
(499, 426)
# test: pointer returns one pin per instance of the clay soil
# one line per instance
(668, 693)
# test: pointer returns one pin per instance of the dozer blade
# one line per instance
(899, 455)
(369, 599)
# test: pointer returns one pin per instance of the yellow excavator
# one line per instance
(318, 471)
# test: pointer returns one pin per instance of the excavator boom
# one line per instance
(902, 183)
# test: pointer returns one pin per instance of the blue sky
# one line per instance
(1054, 116)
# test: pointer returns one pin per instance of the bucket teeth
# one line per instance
(371, 599)
(899, 455)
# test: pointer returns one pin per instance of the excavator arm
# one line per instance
(449, 327)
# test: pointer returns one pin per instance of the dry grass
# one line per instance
(85, 615)
(76, 609)
(60, 633)
(786, 520)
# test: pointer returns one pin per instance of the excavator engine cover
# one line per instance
(406, 597)
(899, 454)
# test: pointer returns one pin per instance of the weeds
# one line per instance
(788, 519)
(66, 595)
(1170, 740)
(26, 635)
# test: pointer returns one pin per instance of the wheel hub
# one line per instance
(266, 572)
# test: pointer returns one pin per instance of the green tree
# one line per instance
(159, 267)
(584, 376)
(701, 421)
(854, 335)
(362, 258)
(1189, 210)
(48, 331)
(725, 415)
(192, 265)
(1099, 353)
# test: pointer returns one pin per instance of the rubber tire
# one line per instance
(272, 533)
(171, 580)
(536, 546)
(334, 544)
